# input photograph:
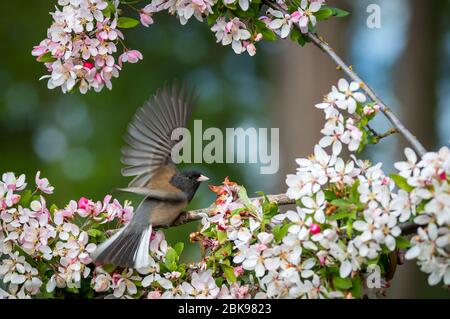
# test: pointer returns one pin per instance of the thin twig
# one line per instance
(390, 132)
(325, 47)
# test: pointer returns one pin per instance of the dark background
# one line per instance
(75, 139)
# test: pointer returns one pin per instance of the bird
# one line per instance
(147, 157)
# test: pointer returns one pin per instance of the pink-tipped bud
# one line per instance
(314, 229)
(88, 65)
(238, 271)
(443, 176)
(83, 203)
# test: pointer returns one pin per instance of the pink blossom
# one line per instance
(12, 183)
(238, 271)
(43, 184)
(83, 203)
(130, 56)
(155, 294)
(146, 14)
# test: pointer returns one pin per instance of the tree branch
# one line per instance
(281, 199)
(193, 215)
(325, 47)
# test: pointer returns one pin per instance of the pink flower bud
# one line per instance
(443, 176)
(229, 26)
(322, 261)
(238, 271)
(83, 203)
(295, 16)
(368, 110)
(146, 19)
(155, 294)
(314, 229)
(88, 65)
(251, 49)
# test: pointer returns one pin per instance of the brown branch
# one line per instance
(281, 199)
(194, 215)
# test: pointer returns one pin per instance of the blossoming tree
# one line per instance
(351, 219)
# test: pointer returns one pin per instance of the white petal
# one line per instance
(345, 269)
(413, 252)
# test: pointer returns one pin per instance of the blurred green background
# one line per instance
(75, 139)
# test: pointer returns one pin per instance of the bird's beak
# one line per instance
(202, 178)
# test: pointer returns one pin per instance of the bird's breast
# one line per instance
(165, 213)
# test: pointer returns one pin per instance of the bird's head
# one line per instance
(188, 182)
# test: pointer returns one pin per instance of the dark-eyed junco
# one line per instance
(166, 190)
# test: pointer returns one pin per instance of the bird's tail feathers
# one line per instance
(129, 247)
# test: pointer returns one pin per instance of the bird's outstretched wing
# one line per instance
(148, 153)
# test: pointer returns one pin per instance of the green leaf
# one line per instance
(295, 34)
(279, 232)
(342, 283)
(270, 209)
(47, 57)
(229, 273)
(343, 204)
(401, 182)
(267, 34)
(342, 215)
(222, 236)
(252, 11)
(354, 194)
(339, 13)
(109, 268)
(242, 193)
(179, 248)
(25, 198)
(223, 252)
(303, 40)
(323, 14)
(94, 232)
(171, 259)
(232, 6)
(330, 195)
(219, 281)
(53, 209)
(357, 288)
(73, 290)
(402, 243)
(350, 227)
(126, 22)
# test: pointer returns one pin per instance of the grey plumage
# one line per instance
(149, 134)
(123, 247)
(147, 157)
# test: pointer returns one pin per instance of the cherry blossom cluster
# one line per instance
(45, 252)
(350, 127)
(46, 247)
(366, 202)
(425, 194)
(81, 44)
(252, 243)
(81, 48)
